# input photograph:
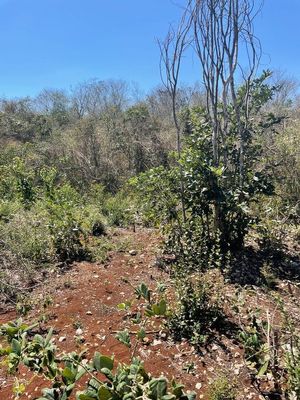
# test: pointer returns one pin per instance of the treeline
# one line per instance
(100, 131)
(105, 131)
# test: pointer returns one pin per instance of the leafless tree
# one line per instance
(171, 51)
(285, 97)
(50, 99)
(223, 36)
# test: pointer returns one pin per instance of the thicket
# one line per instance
(219, 211)
(47, 222)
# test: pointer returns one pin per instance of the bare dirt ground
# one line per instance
(86, 296)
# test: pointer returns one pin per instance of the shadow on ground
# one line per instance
(263, 266)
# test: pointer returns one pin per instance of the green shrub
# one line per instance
(292, 359)
(293, 373)
(91, 219)
(204, 199)
(197, 311)
(40, 355)
(98, 228)
(222, 389)
(66, 223)
(8, 208)
(119, 210)
(28, 236)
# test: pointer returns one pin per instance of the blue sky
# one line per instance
(58, 43)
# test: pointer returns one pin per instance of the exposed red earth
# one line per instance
(86, 296)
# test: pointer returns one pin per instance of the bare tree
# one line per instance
(93, 97)
(171, 51)
(223, 35)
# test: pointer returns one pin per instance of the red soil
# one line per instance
(87, 295)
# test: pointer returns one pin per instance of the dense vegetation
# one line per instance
(220, 178)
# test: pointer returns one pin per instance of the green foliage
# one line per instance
(280, 154)
(55, 224)
(26, 234)
(17, 182)
(39, 354)
(8, 208)
(197, 312)
(204, 205)
(124, 337)
(14, 329)
(65, 224)
(152, 304)
(260, 346)
(119, 210)
(24, 182)
(44, 220)
(293, 370)
(292, 356)
(222, 389)
(255, 347)
(157, 195)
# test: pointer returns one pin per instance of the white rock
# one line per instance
(79, 332)
(156, 342)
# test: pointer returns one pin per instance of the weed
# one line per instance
(197, 312)
(40, 355)
(222, 389)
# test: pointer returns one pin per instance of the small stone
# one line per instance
(62, 339)
(156, 342)
(89, 313)
(198, 385)
(163, 335)
(132, 252)
(79, 332)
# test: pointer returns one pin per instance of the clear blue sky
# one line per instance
(58, 43)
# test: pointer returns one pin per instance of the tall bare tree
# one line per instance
(222, 34)
(229, 55)
(171, 51)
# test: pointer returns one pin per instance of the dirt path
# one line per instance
(86, 297)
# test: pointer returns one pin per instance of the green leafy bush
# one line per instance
(8, 208)
(204, 203)
(197, 312)
(65, 223)
(119, 210)
(40, 355)
(27, 235)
